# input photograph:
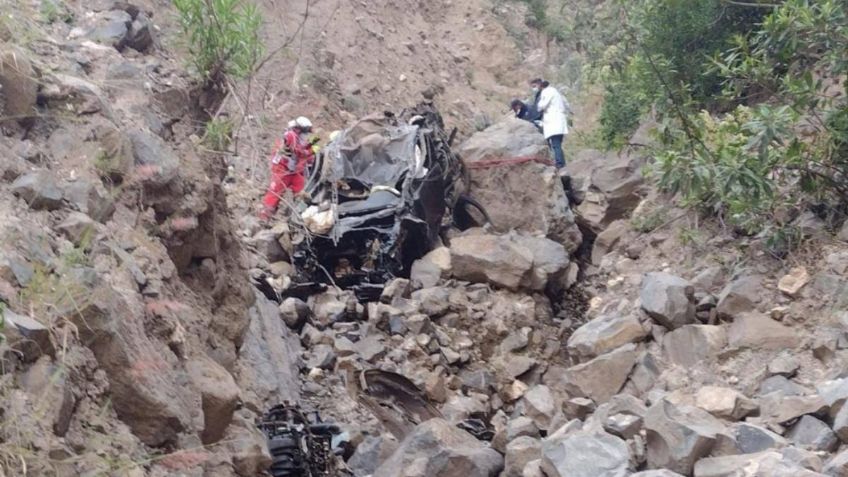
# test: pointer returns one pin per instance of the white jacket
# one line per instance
(553, 107)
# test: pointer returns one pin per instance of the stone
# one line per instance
(78, 228)
(724, 402)
(369, 454)
(608, 184)
(28, 338)
(521, 426)
(745, 438)
(740, 296)
(837, 262)
(678, 436)
(322, 357)
(780, 409)
(248, 447)
(608, 239)
(219, 396)
(52, 386)
(520, 452)
(602, 377)
(429, 269)
(792, 283)
(294, 312)
(668, 299)
(786, 366)
(781, 385)
(693, 344)
(267, 245)
(758, 331)
(580, 408)
(541, 210)
(140, 35)
(40, 189)
(813, 434)
(109, 28)
(514, 391)
(491, 259)
(90, 199)
(550, 262)
(623, 425)
(18, 85)
(604, 334)
(539, 405)
(586, 454)
(837, 466)
(769, 463)
(835, 394)
(434, 301)
(656, 473)
(436, 448)
(480, 380)
(154, 156)
(843, 232)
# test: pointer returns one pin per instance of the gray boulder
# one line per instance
(586, 454)
(740, 296)
(693, 344)
(438, 449)
(668, 300)
(758, 331)
(19, 85)
(605, 333)
(656, 473)
(769, 463)
(678, 436)
(158, 161)
(40, 189)
(519, 453)
(813, 434)
(493, 259)
(838, 465)
(369, 454)
(745, 438)
(602, 377)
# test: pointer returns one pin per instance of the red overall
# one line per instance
(294, 152)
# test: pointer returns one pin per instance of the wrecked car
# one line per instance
(379, 197)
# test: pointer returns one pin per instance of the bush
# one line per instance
(219, 134)
(223, 37)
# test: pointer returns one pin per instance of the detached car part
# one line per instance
(300, 444)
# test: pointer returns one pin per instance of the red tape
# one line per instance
(489, 163)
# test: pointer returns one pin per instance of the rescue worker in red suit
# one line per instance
(288, 163)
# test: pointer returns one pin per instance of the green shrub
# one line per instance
(223, 37)
(219, 134)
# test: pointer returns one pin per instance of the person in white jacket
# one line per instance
(554, 108)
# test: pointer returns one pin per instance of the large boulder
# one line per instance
(745, 438)
(608, 185)
(605, 333)
(550, 263)
(538, 209)
(835, 394)
(40, 189)
(678, 436)
(668, 300)
(758, 331)
(694, 344)
(586, 454)
(602, 377)
(493, 259)
(740, 296)
(520, 452)
(219, 396)
(18, 86)
(438, 449)
(813, 434)
(429, 269)
(724, 402)
(769, 463)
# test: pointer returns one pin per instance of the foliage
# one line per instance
(788, 146)
(219, 134)
(223, 37)
(53, 11)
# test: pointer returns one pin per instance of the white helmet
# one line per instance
(303, 123)
(291, 124)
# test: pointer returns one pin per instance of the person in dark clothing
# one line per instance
(520, 109)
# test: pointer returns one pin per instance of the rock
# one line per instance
(533, 469)
(428, 270)
(739, 296)
(39, 189)
(152, 154)
(693, 344)
(769, 463)
(140, 35)
(782, 385)
(294, 312)
(745, 438)
(792, 283)
(835, 394)
(53, 388)
(521, 426)
(605, 333)
(623, 425)
(550, 263)
(656, 473)
(539, 405)
(786, 366)
(436, 448)
(668, 300)
(843, 233)
(780, 409)
(248, 448)
(838, 465)
(322, 357)
(481, 380)
(813, 434)
(609, 186)
(18, 85)
(538, 210)
(514, 391)
(369, 454)
(579, 408)
(109, 28)
(724, 402)
(434, 302)
(678, 436)
(758, 331)
(602, 377)
(837, 262)
(520, 452)
(90, 199)
(219, 396)
(78, 228)
(490, 258)
(28, 338)
(586, 454)
(608, 239)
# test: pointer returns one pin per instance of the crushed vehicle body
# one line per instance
(379, 196)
